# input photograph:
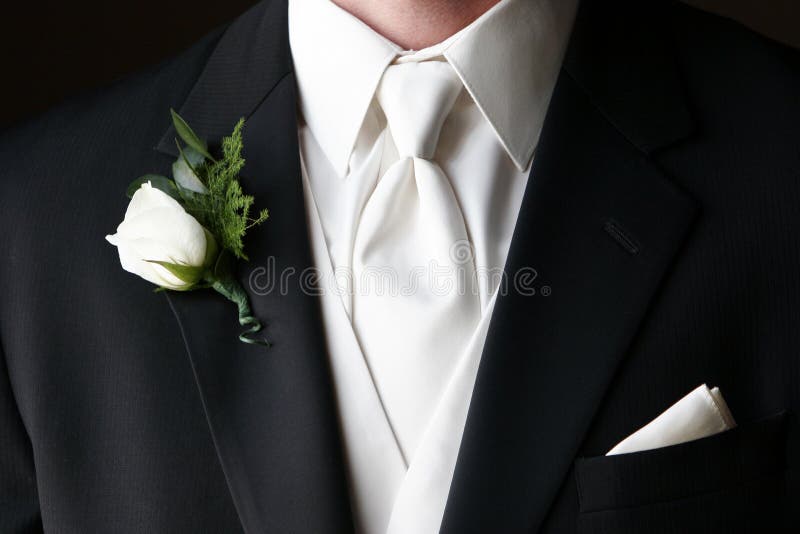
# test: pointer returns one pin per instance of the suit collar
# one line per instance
(600, 225)
(271, 412)
(620, 55)
(251, 57)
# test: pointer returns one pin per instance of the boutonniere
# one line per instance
(185, 233)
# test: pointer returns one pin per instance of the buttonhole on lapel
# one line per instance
(622, 236)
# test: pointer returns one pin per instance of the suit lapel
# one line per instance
(601, 226)
(271, 412)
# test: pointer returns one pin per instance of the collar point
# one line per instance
(522, 158)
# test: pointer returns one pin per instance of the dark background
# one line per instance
(53, 49)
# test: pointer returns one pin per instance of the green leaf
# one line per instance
(162, 183)
(193, 157)
(190, 156)
(189, 274)
(188, 135)
(212, 250)
(186, 178)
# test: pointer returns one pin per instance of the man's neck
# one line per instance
(416, 24)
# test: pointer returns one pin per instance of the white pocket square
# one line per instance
(699, 414)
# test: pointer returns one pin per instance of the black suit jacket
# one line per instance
(662, 211)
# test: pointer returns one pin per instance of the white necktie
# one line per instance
(414, 307)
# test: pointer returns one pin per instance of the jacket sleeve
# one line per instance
(19, 501)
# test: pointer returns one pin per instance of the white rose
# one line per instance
(157, 228)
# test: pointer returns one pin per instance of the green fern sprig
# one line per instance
(225, 209)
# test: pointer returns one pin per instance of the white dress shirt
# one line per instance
(508, 61)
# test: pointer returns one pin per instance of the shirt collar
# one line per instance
(517, 45)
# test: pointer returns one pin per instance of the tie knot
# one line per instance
(416, 98)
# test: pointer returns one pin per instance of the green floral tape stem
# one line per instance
(229, 288)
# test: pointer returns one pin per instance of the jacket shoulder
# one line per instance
(744, 91)
(717, 49)
(86, 132)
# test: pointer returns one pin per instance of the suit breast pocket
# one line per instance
(729, 483)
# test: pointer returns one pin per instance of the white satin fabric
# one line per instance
(700, 414)
(389, 494)
(414, 324)
(402, 414)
